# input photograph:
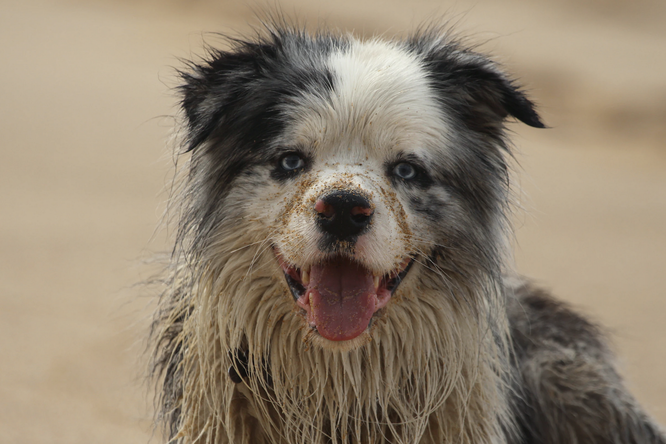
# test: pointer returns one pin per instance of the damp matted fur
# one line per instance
(458, 353)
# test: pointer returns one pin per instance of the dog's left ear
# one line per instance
(478, 90)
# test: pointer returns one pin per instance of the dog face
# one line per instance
(346, 239)
(356, 164)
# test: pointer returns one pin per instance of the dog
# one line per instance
(341, 267)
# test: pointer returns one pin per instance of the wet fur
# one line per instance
(461, 354)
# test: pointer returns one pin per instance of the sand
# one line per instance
(85, 98)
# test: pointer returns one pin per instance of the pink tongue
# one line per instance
(342, 299)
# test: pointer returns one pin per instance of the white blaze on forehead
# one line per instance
(381, 102)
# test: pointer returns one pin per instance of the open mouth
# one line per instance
(340, 296)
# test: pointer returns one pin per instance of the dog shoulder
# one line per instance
(569, 389)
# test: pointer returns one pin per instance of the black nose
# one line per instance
(343, 214)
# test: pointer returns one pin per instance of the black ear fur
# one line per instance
(224, 81)
(489, 87)
(237, 94)
(474, 86)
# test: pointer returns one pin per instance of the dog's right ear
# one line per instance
(211, 88)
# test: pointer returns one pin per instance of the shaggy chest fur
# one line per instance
(338, 270)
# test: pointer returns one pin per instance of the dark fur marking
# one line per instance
(233, 99)
(431, 209)
(569, 389)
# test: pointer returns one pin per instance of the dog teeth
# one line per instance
(305, 276)
(376, 281)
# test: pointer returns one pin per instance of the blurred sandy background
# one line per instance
(84, 86)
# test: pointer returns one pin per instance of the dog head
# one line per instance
(355, 164)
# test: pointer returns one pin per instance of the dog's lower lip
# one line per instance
(296, 287)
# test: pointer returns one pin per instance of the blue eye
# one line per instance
(292, 162)
(405, 171)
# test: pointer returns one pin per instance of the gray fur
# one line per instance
(569, 390)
